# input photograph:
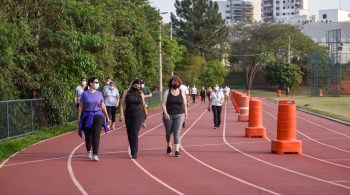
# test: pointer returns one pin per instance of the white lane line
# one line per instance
(69, 162)
(342, 181)
(317, 124)
(5, 161)
(274, 165)
(147, 172)
(217, 170)
(313, 139)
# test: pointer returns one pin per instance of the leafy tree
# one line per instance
(253, 45)
(200, 27)
(191, 69)
(214, 73)
(283, 74)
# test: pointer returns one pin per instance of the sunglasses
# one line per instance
(96, 82)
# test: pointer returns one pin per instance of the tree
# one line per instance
(283, 74)
(253, 45)
(199, 26)
(214, 73)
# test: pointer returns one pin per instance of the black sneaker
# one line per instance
(134, 156)
(177, 154)
(168, 150)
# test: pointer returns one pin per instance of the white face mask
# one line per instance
(107, 82)
(83, 82)
(216, 88)
(96, 86)
(111, 88)
(142, 85)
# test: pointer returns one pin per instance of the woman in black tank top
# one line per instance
(174, 112)
(135, 113)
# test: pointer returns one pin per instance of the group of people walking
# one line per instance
(98, 109)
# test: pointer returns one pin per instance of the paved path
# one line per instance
(213, 161)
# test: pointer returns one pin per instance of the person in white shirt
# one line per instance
(216, 100)
(227, 93)
(194, 93)
(108, 80)
(78, 91)
(111, 101)
(185, 90)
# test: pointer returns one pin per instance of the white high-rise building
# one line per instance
(239, 10)
(283, 10)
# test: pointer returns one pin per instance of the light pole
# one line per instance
(160, 57)
(171, 38)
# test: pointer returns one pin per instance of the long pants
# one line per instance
(92, 135)
(173, 126)
(217, 115)
(112, 111)
(193, 98)
(133, 125)
(203, 98)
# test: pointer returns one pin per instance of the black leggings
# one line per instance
(92, 135)
(133, 125)
(112, 111)
(217, 115)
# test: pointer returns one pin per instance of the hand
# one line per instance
(109, 121)
(167, 117)
(208, 108)
(145, 116)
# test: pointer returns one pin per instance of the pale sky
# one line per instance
(314, 6)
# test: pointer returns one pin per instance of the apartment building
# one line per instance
(239, 10)
(282, 10)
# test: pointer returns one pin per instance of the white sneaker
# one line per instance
(95, 157)
(88, 155)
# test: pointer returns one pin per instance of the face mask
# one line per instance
(107, 82)
(83, 82)
(142, 85)
(96, 86)
(111, 88)
(216, 88)
(175, 86)
(134, 89)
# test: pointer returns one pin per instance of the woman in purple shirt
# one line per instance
(92, 111)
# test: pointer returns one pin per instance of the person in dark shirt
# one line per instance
(135, 112)
(174, 112)
(148, 94)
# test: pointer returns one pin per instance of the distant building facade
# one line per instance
(282, 10)
(239, 10)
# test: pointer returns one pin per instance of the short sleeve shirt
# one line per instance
(79, 91)
(216, 98)
(111, 97)
(92, 101)
(184, 89)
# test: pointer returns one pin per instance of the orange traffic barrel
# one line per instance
(255, 124)
(244, 109)
(286, 129)
(279, 93)
(238, 102)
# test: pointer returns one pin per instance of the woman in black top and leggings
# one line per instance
(135, 113)
(175, 111)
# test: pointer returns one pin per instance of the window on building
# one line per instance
(284, 14)
(324, 16)
(228, 18)
(228, 12)
(292, 13)
(292, 1)
(277, 8)
(277, 14)
(277, 2)
(227, 6)
(284, 1)
(284, 7)
(292, 7)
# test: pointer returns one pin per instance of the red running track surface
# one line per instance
(213, 161)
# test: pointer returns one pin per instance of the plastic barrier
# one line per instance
(286, 130)
(244, 109)
(238, 101)
(279, 93)
(255, 124)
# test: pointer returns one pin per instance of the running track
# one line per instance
(213, 161)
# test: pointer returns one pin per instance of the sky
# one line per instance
(314, 6)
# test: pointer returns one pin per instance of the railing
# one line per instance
(21, 117)
(155, 99)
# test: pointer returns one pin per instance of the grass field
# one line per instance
(335, 107)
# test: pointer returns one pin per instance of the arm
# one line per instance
(185, 103)
(149, 95)
(75, 97)
(143, 103)
(103, 106)
(80, 111)
(165, 97)
(122, 103)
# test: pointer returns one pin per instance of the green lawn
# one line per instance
(335, 107)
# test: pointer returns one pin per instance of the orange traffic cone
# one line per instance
(238, 102)
(255, 128)
(279, 93)
(286, 130)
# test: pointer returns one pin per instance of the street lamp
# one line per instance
(160, 57)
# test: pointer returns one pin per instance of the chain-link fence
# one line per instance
(155, 99)
(21, 117)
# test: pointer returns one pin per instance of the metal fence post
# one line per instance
(32, 115)
(8, 120)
